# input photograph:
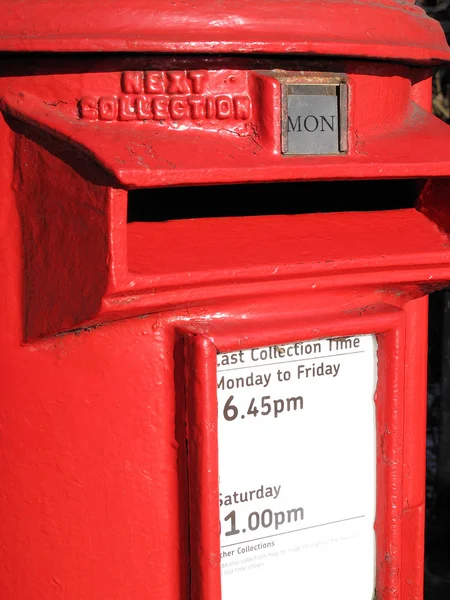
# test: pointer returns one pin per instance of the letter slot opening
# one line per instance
(210, 232)
(289, 198)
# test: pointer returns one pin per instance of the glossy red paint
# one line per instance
(394, 29)
(400, 441)
(108, 433)
(390, 135)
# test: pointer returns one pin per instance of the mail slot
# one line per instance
(220, 226)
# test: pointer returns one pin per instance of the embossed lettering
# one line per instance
(198, 79)
(197, 105)
(142, 105)
(154, 82)
(88, 108)
(126, 109)
(132, 82)
(242, 109)
(178, 108)
(177, 82)
(223, 107)
(210, 107)
(108, 108)
(160, 106)
(175, 96)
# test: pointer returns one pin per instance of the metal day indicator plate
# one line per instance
(314, 118)
(297, 470)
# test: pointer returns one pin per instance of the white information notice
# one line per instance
(297, 467)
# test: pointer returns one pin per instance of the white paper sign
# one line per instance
(297, 470)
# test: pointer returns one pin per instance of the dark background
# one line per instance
(437, 549)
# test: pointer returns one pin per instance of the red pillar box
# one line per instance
(219, 226)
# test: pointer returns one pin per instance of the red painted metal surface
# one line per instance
(371, 28)
(109, 328)
(400, 440)
(390, 133)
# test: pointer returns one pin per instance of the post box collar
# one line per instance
(378, 29)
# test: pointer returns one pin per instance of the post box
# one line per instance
(220, 222)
